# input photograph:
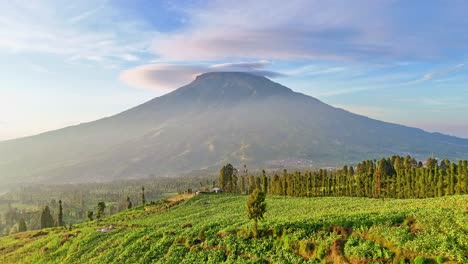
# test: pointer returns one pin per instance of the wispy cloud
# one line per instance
(45, 28)
(38, 68)
(226, 29)
(313, 29)
(88, 13)
(440, 73)
(313, 70)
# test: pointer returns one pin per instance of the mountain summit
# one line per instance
(218, 118)
(231, 86)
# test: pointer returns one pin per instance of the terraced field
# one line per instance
(211, 228)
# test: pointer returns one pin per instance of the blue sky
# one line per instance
(397, 61)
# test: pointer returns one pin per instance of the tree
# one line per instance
(60, 214)
(225, 177)
(431, 163)
(100, 212)
(440, 184)
(46, 218)
(22, 225)
(264, 182)
(256, 208)
(143, 199)
(90, 215)
(129, 203)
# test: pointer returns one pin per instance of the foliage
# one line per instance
(46, 218)
(314, 229)
(256, 208)
(22, 226)
(129, 203)
(90, 215)
(227, 178)
(100, 210)
(394, 177)
(60, 214)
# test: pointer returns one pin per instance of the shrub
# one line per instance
(321, 251)
(306, 248)
(421, 260)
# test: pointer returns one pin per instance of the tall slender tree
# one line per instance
(129, 203)
(60, 214)
(100, 210)
(90, 215)
(256, 208)
(22, 225)
(46, 218)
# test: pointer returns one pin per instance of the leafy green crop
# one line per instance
(214, 228)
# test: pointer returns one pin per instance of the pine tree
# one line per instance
(465, 175)
(234, 179)
(256, 208)
(225, 177)
(459, 188)
(431, 163)
(100, 210)
(143, 199)
(451, 183)
(264, 182)
(60, 215)
(129, 203)
(440, 184)
(90, 215)
(46, 218)
(244, 177)
(22, 225)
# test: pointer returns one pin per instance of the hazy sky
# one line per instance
(65, 63)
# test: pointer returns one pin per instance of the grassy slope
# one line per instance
(358, 230)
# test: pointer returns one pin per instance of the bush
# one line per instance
(421, 260)
(321, 251)
(306, 248)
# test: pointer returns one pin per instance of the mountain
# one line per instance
(218, 118)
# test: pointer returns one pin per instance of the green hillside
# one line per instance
(211, 228)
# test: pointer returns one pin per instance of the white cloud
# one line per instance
(130, 57)
(163, 77)
(167, 77)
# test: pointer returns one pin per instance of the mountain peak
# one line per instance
(231, 86)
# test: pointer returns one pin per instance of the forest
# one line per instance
(394, 177)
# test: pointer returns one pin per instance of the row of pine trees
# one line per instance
(394, 177)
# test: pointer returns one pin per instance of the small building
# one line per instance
(217, 190)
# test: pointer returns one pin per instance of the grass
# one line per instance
(295, 230)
